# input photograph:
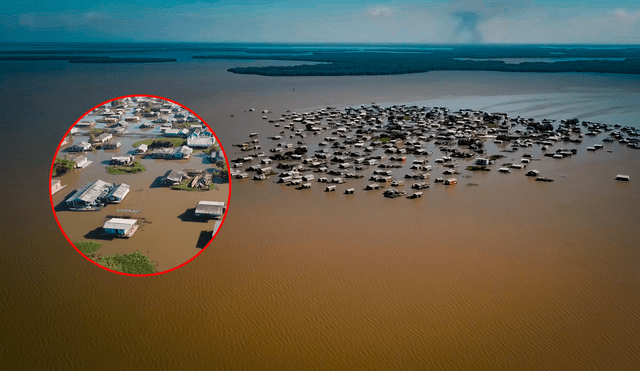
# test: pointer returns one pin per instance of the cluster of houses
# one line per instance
(95, 195)
(121, 160)
(103, 140)
(123, 227)
(360, 138)
(81, 147)
(182, 152)
(196, 136)
(194, 179)
(80, 161)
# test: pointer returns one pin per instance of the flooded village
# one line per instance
(144, 180)
(132, 164)
(403, 150)
(357, 279)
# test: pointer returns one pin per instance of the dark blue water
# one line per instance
(183, 52)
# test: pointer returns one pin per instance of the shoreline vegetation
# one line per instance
(184, 186)
(361, 59)
(134, 168)
(61, 166)
(161, 143)
(379, 63)
(416, 59)
(96, 131)
(134, 263)
(88, 247)
(80, 59)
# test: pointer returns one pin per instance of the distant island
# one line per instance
(395, 61)
(356, 59)
(77, 59)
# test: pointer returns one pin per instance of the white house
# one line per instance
(210, 209)
(142, 148)
(120, 227)
(118, 193)
(79, 147)
(121, 160)
(80, 161)
(56, 185)
(201, 141)
(103, 138)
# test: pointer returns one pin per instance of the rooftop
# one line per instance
(117, 223)
(89, 192)
(209, 207)
(119, 191)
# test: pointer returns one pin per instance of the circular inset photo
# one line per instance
(140, 185)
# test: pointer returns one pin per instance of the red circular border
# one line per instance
(56, 215)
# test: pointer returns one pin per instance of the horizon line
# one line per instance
(310, 43)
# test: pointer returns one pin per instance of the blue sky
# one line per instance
(440, 21)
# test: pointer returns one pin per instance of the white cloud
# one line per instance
(379, 11)
(538, 26)
(624, 16)
(515, 22)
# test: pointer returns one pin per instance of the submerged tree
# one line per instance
(61, 166)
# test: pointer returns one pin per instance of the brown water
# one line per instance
(509, 274)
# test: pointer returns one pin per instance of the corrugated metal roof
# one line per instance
(200, 141)
(120, 191)
(174, 175)
(91, 191)
(184, 150)
(164, 150)
(77, 159)
(210, 207)
(117, 223)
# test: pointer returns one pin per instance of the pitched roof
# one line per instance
(89, 192)
(117, 223)
(184, 150)
(174, 175)
(210, 207)
(120, 191)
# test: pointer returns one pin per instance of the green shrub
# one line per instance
(88, 247)
(61, 166)
(135, 167)
(134, 263)
(161, 143)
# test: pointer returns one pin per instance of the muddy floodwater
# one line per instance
(507, 274)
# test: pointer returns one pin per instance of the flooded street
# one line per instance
(509, 274)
